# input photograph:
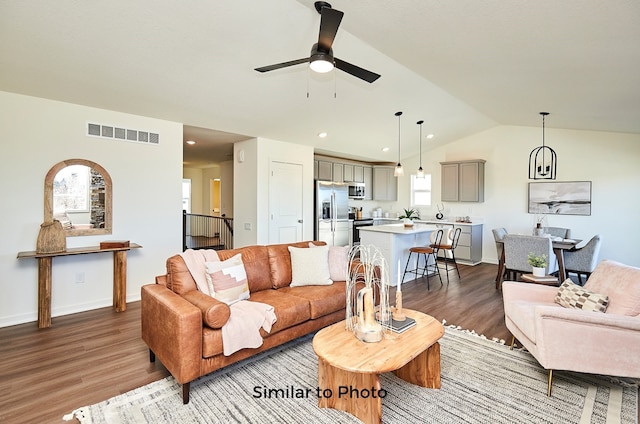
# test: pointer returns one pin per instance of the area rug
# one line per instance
(483, 381)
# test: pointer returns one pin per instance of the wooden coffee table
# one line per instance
(349, 370)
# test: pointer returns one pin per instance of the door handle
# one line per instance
(299, 221)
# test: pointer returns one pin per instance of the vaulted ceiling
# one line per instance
(461, 66)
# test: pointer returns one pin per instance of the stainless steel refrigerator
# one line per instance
(332, 213)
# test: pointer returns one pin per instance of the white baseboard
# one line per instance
(67, 310)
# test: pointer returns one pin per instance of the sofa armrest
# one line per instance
(172, 328)
(215, 314)
(586, 341)
(578, 316)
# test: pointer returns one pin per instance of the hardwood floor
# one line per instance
(91, 356)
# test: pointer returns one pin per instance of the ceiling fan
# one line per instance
(321, 59)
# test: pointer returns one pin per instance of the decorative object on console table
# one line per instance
(51, 238)
(367, 265)
(114, 244)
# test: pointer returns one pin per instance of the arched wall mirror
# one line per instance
(77, 192)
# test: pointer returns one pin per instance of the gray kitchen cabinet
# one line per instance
(367, 179)
(347, 173)
(338, 172)
(325, 170)
(463, 181)
(385, 184)
(469, 250)
(358, 173)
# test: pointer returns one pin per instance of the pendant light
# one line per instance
(420, 173)
(399, 172)
(542, 159)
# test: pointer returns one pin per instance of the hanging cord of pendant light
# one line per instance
(420, 173)
(399, 172)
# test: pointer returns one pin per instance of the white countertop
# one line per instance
(400, 228)
(435, 222)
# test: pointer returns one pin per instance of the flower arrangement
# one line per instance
(538, 261)
(410, 214)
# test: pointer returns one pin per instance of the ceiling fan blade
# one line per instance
(329, 23)
(356, 71)
(282, 65)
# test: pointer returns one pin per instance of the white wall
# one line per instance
(226, 188)
(36, 134)
(610, 160)
(251, 187)
(197, 201)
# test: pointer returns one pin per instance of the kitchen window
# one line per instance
(421, 190)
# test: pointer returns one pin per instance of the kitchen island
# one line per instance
(394, 242)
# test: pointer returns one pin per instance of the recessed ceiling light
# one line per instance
(191, 142)
(322, 134)
(430, 136)
(385, 149)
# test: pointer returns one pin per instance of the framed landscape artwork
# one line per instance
(560, 198)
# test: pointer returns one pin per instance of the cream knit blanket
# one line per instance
(242, 330)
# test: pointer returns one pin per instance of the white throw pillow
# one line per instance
(229, 280)
(338, 261)
(310, 267)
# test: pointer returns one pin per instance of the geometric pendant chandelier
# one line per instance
(542, 159)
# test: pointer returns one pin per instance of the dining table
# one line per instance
(559, 247)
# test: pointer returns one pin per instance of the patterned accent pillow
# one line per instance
(310, 267)
(229, 280)
(571, 295)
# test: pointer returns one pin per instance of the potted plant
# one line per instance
(408, 217)
(538, 263)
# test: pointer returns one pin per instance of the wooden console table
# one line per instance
(44, 277)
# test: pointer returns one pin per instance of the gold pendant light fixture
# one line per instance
(399, 172)
(420, 173)
(542, 159)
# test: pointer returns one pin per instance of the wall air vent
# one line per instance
(112, 132)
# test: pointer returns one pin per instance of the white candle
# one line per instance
(399, 278)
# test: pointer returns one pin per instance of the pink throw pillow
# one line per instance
(338, 262)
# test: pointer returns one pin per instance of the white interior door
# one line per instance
(285, 202)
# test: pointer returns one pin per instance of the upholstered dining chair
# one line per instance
(558, 232)
(448, 247)
(498, 236)
(427, 252)
(516, 251)
(583, 260)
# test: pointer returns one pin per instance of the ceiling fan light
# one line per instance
(321, 63)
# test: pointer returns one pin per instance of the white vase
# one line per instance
(408, 222)
(539, 272)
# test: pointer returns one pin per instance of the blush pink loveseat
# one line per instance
(577, 340)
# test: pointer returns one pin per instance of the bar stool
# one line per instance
(449, 247)
(427, 252)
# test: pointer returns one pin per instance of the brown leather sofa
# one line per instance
(182, 326)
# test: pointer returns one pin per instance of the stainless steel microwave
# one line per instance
(356, 190)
